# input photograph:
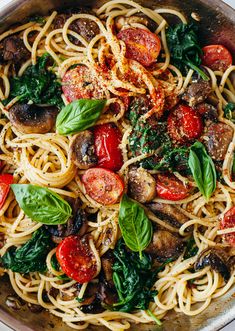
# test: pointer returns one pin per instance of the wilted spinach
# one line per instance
(191, 248)
(31, 256)
(37, 84)
(229, 111)
(184, 48)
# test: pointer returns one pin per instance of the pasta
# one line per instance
(44, 159)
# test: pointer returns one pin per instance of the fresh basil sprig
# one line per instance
(135, 226)
(203, 169)
(41, 204)
(79, 115)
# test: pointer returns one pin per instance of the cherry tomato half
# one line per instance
(227, 222)
(216, 57)
(141, 45)
(5, 181)
(102, 185)
(184, 124)
(107, 140)
(76, 258)
(170, 188)
(79, 83)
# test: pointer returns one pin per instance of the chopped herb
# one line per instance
(37, 19)
(80, 299)
(184, 48)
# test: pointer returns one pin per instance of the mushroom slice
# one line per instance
(141, 185)
(32, 118)
(75, 225)
(170, 214)
(82, 150)
(217, 259)
(165, 245)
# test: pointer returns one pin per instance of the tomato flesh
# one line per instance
(79, 83)
(141, 45)
(76, 258)
(102, 185)
(107, 140)
(5, 181)
(216, 57)
(227, 222)
(170, 188)
(184, 124)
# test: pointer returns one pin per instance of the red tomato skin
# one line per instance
(170, 188)
(79, 83)
(76, 258)
(228, 221)
(103, 185)
(216, 57)
(184, 124)
(107, 140)
(5, 181)
(141, 45)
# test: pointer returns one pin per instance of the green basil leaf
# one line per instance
(79, 115)
(41, 204)
(203, 169)
(135, 226)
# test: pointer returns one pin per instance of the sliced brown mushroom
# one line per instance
(218, 137)
(13, 49)
(32, 118)
(197, 92)
(165, 245)
(75, 225)
(217, 259)
(107, 261)
(82, 150)
(139, 18)
(170, 214)
(141, 185)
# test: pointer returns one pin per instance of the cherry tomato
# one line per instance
(79, 83)
(76, 258)
(5, 181)
(102, 185)
(227, 222)
(170, 188)
(216, 57)
(184, 124)
(107, 141)
(141, 45)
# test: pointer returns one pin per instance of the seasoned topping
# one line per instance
(13, 49)
(218, 138)
(165, 245)
(197, 92)
(141, 185)
(217, 259)
(82, 150)
(169, 213)
(32, 118)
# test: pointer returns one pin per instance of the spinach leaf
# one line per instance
(79, 115)
(229, 111)
(136, 228)
(184, 48)
(203, 169)
(133, 279)
(37, 84)
(55, 265)
(191, 248)
(31, 256)
(41, 204)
